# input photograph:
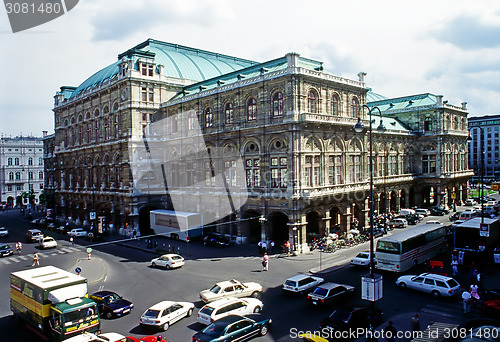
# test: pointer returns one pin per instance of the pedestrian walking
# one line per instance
(466, 297)
(264, 247)
(415, 323)
(36, 260)
(390, 332)
(479, 278)
(71, 240)
(454, 266)
(260, 247)
(19, 247)
(265, 262)
(272, 246)
(474, 293)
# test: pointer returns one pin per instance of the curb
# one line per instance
(326, 270)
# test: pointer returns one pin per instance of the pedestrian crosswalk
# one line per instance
(451, 308)
(45, 254)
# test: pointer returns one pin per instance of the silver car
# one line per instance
(435, 284)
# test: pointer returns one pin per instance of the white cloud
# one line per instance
(425, 46)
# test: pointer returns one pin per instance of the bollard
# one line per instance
(89, 256)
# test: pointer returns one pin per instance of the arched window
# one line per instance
(335, 105)
(89, 132)
(312, 102)
(16, 161)
(18, 175)
(251, 109)
(428, 124)
(354, 107)
(229, 112)
(209, 117)
(116, 129)
(97, 134)
(30, 175)
(30, 161)
(11, 175)
(278, 104)
(40, 161)
(40, 174)
(9, 161)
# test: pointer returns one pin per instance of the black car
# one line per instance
(5, 250)
(111, 304)
(413, 218)
(94, 236)
(436, 211)
(216, 240)
(454, 216)
(234, 328)
(351, 319)
(329, 292)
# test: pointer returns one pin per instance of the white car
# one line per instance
(166, 313)
(48, 242)
(301, 283)
(77, 232)
(362, 259)
(228, 306)
(168, 261)
(89, 337)
(470, 201)
(4, 232)
(231, 288)
(435, 284)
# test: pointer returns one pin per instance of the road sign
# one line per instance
(78, 270)
(89, 250)
(93, 215)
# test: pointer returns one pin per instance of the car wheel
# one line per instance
(167, 266)
(435, 294)
(153, 264)
(402, 285)
(257, 309)
(263, 330)
(165, 326)
(109, 315)
(189, 313)
(255, 294)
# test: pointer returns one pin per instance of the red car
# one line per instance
(436, 267)
(151, 338)
(492, 307)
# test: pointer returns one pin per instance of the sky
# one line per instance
(443, 47)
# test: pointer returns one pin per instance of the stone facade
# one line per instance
(307, 171)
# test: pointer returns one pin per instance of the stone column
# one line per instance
(326, 220)
(345, 224)
(398, 201)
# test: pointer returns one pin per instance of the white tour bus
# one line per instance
(401, 251)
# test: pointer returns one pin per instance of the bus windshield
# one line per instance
(388, 247)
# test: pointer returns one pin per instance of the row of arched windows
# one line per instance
(251, 110)
(18, 175)
(313, 104)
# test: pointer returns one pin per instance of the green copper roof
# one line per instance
(405, 103)
(371, 96)
(178, 61)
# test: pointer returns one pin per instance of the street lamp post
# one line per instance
(481, 171)
(371, 285)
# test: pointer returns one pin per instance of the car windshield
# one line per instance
(340, 315)
(4, 247)
(215, 289)
(320, 291)
(452, 283)
(207, 310)
(214, 329)
(112, 298)
(290, 283)
(152, 313)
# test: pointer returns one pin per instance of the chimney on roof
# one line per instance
(361, 76)
(464, 105)
(439, 100)
(292, 59)
(44, 133)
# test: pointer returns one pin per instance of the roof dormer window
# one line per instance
(146, 69)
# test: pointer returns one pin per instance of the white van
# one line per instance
(467, 215)
(405, 212)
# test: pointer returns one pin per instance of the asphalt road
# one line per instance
(123, 268)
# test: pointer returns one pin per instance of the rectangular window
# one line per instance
(9, 187)
(19, 187)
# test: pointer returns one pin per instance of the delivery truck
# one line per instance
(53, 303)
(176, 225)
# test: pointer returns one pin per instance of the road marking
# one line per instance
(14, 259)
(43, 255)
(23, 257)
(60, 252)
(5, 261)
